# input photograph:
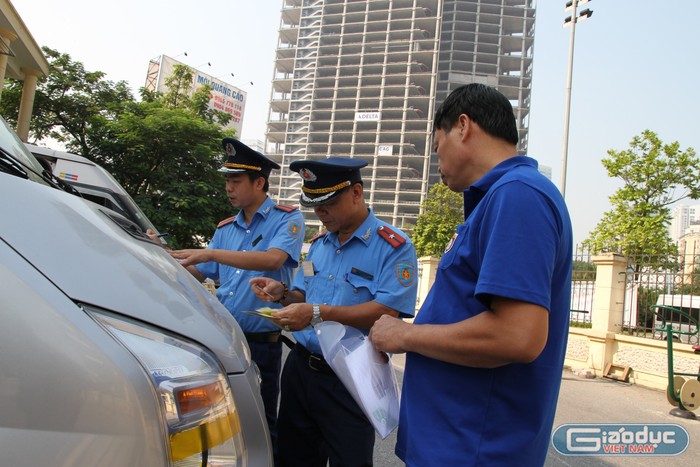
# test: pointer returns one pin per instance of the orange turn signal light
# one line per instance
(198, 398)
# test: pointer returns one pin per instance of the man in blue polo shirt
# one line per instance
(361, 268)
(485, 353)
(263, 238)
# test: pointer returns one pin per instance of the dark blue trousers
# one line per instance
(319, 421)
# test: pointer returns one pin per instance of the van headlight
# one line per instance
(195, 396)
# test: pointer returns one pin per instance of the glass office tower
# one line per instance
(362, 78)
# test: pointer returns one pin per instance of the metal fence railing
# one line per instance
(672, 280)
(582, 288)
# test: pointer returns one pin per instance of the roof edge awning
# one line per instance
(24, 56)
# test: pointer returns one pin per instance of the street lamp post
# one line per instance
(570, 21)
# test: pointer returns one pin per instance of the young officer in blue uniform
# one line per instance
(358, 270)
(485, 353)
(264, 238)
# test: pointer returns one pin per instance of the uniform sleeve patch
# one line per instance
(394, 239)
(225, 221)
(293, 228)
(405, 273)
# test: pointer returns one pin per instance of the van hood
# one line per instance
(78, 246)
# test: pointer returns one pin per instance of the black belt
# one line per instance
(316, 362)
(263, 337)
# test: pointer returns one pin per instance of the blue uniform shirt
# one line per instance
(367, 267)
(516, 242)
(271, 227)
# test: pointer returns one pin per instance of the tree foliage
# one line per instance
(71, 105)
(583, 271)
(654, 176)
(167, 159)
(165, 149)
(443, 211)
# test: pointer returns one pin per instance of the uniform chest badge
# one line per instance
(451, 243)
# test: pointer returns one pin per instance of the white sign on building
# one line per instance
(368, 116)
(385, 149)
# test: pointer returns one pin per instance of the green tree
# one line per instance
(583, 271)
(654, 176)
(165, 149)
(443, 211)
(692, 284)
(71, 105)
(167, 159)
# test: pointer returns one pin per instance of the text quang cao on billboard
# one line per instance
(221, 88)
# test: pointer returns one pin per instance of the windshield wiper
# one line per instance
(10, 165)
(50, 177)
(14, 166)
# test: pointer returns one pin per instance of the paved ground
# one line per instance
(602, 400)
(596, 400)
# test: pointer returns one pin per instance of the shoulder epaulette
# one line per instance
(318, 235)
(390, 236)
(225, 221)
(285, 207)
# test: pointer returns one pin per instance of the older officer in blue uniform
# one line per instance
(358, 270)
(263, 238)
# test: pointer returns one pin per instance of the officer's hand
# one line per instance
(296, 316)
(190, 257)
(387, 334)
(266, 289)
(152, 235)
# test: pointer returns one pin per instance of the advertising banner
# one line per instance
(224, 97)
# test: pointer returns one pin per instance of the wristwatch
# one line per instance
(316, 317)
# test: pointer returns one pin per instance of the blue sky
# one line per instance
(636, 67)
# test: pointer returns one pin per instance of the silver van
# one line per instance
(92, 181)
(111, 353)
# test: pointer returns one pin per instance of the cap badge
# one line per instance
(307, 175)
(230, 150)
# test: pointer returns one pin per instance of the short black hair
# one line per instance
(484, 105)
(255, 175)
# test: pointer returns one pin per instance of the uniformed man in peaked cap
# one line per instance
(325, 179)
(242, 159)
(357, 270)
(263, 236)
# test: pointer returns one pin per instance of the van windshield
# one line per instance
(10, 143)
(120, 202)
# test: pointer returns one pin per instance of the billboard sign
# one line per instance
(224, 97)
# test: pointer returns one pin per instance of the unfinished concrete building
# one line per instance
(362, 78)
